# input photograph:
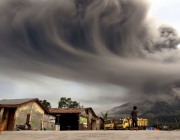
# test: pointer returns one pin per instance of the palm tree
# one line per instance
(105, 116)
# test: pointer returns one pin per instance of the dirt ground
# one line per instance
(90, 135)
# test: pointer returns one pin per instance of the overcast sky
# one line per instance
(167, 12)
(22, 76)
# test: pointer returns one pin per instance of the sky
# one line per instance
(166, 12)
(102, 58)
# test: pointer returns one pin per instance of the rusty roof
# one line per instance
(66, 110)
(94, 119)
(69, 110)
(15, 101)
(19, 102)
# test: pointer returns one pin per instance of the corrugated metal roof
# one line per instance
(19, 102)
(94, 119)
(66, 110)
(69, 110)
(15, 101)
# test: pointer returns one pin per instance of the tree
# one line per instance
(105, 116)
(68, 103)
(45, 103)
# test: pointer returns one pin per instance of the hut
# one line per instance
(20, 111)
(76, 118)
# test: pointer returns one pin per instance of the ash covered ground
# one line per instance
(91, 135)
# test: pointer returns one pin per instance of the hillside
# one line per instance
(163, 111)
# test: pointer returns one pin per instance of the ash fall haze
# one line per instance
(103, 51)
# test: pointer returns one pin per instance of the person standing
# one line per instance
(133, 116)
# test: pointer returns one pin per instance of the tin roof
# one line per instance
(94, 119)
(66, 110)
(15, 101)
(69, 110)
(19, 102)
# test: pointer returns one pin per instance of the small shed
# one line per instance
(74, 118)
(97, 123)
(19, 111)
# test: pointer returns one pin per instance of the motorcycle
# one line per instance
(26, 126)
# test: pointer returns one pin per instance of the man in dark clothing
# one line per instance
(133, 116)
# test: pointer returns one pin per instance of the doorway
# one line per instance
(10, 123)
(69, 122)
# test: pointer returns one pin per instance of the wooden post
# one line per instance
(42, 125)
(1, 114)
(157, 122)
(176, 122)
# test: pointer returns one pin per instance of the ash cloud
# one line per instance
(106, 41)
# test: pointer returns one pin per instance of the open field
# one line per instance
(90, 135)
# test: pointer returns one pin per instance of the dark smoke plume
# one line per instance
(96, 40)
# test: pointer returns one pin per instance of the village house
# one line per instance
(20, 111)
(77, 118)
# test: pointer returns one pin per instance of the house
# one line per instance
(49, 122)
(76, 118)
(20, 111)
(97, 123)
